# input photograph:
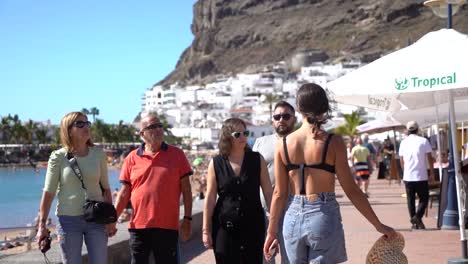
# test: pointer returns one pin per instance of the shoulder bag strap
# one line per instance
(76, 169)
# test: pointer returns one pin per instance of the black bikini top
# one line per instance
(321, 166)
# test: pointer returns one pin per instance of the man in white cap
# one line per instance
(415, 157)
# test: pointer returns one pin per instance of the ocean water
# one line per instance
(21, 191)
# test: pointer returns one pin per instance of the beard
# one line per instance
(283, 130)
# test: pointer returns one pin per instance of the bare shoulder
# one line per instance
(336, 142)
(337, 138)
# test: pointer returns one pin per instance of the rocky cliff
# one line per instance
(234, 36)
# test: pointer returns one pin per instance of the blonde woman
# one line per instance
(60, 179)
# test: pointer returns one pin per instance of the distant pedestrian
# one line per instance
(388, 152)
(360, 157)
(307, 160)
(72, 228)
(234, 223)
(372, 152)
(153, 178)
(284, 119)
(415, 157)
(349, 148)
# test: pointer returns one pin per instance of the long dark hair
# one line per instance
(312, 102)
(225, 144)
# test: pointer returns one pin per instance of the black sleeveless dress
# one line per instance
(238, 218)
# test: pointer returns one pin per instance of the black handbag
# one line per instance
(94, 211)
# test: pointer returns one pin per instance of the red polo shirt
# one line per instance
(155, 186)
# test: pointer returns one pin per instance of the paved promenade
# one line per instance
(428, 246)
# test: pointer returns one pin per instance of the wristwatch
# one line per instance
(188, 218)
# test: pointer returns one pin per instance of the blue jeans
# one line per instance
(312, 230)
(71, 231)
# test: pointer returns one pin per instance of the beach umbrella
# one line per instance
(427, 116)
(379, 126)
(197, 161)
(430, 72)
(420, 75)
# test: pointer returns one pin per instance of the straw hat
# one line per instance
(386, 251)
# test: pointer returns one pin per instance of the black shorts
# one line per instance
(362, 170)
(364, 177)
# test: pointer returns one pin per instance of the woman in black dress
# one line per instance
(234, 224)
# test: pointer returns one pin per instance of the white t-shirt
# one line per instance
(348, 154)
(266, 146)
(413, 150)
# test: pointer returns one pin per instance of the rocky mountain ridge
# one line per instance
(233, 36)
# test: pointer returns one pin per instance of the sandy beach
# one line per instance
(21, 236)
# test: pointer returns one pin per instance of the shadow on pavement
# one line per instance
(192, 248)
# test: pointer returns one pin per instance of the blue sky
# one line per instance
(62, 56)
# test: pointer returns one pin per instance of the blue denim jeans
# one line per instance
(313, 231)
(71, 232)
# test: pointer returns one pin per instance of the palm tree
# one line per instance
(41, 135)
(5, 129)
(85, 111)
(124, 133)
(17, 130)
(94, 112)
(100, 131)
(56, 138)
(270, 99)
(30, 128)
(352, 121)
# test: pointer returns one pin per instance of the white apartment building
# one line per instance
(195, 110)
(198, 134)
(158, 97)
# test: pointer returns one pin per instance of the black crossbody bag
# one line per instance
(94, 211)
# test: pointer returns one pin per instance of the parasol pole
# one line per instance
(439, 155)
(397, 157)
(458, 179)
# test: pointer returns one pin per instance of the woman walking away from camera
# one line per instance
(234, 224)
(307, 161)
(75, 136)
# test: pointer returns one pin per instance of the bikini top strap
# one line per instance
(286, 154)
(325, 148)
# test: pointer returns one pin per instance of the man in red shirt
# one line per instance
(153, 177)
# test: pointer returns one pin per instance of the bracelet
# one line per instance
(188, 218)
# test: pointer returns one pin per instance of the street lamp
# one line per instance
(446, 9)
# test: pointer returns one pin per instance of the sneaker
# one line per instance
(414, 227)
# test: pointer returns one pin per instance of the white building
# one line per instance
(194, 110)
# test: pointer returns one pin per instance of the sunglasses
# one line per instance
(81, 124)
(285, 117)
(153, 126)
(237, 134)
